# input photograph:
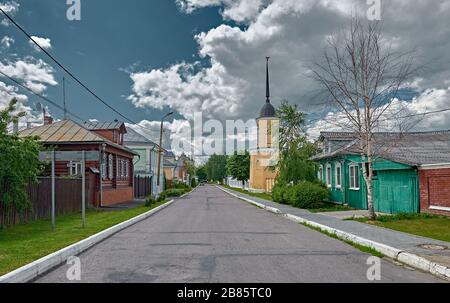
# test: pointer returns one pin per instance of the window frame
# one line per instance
(103, 166)
(354, 180)
(329, 176)
(110, 166)
(338, 165)
(75, 165)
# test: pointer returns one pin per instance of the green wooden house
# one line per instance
(395, 182)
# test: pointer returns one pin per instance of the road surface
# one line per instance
(210, 236)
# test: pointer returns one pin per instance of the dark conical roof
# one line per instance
(267, 111)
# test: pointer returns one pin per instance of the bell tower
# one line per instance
(265, 156)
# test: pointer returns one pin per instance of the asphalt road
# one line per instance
(209, 236)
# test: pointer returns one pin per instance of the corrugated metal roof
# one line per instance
(133, 136)
(103, 125)
(414, 148)
(67, 131)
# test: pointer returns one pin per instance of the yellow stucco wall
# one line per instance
(262, 178)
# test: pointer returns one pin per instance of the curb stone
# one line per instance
(32, 270)
(412, 260)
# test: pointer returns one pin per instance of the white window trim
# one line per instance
(76, 166)
(350, 176)
(336, 166)
(103, 166)
(329, 177)
(321, 173)
(127, 173)
(110, 167)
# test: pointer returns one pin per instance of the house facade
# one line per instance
(265, 155)
(176, 169)
(110, 178)
(402, 171)
(146, 160)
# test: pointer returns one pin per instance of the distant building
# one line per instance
(146, 162)
(176, 169)
(111, 176)
(262, 178)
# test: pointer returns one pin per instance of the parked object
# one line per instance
(401, 158)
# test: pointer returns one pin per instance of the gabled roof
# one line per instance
(168, 163)
(104, 125)
(67, 131)
(133, 137)
(413, 148)
(169, 154)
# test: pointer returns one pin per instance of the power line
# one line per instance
(65, 69)
(41, 96)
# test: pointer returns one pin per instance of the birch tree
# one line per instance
(361, 76)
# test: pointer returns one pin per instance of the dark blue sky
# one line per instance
(112, 35)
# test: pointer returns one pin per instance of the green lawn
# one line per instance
(257, 195)
(25, 243)
(424, 225)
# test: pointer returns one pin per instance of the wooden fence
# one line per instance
(142, 186)
(67, 198)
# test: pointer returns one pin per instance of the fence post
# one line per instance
(53, 192)
(83, 188)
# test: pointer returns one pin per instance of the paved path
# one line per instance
(209, 236)
(403, 241)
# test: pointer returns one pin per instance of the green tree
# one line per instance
(19, 161)
(238, 166)
(216, 167)
(201, 173)
(295, 148)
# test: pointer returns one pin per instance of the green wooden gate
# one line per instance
(396, 192)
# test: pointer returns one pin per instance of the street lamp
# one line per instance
(160, 148)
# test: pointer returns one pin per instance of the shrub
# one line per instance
(149, 201)
(175, 192)
(308, 195)
(162, 196)
(193, 183)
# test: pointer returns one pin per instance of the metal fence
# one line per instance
(68, 200)
(142, 186)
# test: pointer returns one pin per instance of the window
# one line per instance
(74, 168)
(110, 167)
(329, 175)
(338, 177)
(321, 173)
(122, 168)
(354, 177)
(103, 166)
(126, 169)
(117, 168)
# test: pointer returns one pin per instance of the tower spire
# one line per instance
(267, 81)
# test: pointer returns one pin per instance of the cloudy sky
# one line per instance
(149, 57)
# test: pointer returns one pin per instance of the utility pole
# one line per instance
(160, 148)
(64, 98)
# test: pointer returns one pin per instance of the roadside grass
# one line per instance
(331, 208)
(24, 243)
(360, 247)
(425, 225)
(257, 195)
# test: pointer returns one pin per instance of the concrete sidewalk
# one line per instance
(403, 242)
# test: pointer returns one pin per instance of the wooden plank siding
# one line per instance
(68, 200)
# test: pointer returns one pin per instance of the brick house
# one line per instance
(110, 178)
(434, 187)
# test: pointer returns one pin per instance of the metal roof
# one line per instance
(103, 125)
(133, 136)
(67, 131)
(413, 148)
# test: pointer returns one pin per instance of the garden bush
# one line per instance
(149, 201)
(305, 195)
(309, 195)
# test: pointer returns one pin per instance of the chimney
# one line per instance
(15, 127)
(48, 120)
